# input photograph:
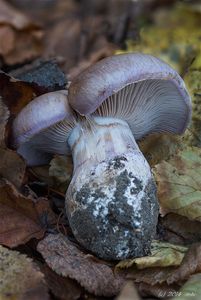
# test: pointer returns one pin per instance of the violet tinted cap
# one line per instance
(141, 89)
(42, 126)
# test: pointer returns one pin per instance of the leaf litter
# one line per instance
(174, 266)
(20, 277)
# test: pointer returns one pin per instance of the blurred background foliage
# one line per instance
(174, 35)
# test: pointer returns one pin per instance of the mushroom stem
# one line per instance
(99, 139)
(112, 192)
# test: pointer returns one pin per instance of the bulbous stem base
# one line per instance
(111, 202)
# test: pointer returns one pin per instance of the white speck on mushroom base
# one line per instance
(101, 208)
(109, 199)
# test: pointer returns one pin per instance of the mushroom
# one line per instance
(111, 202)
(38, 131)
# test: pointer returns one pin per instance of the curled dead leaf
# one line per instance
(62, 287)
(22, 218)
(67, 260)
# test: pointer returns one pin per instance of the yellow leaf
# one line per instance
(162, 255)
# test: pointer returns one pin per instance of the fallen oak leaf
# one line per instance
(20, 277)
(179, 184)
(22, 218)
(67, 260)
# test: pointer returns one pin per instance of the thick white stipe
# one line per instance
(101, 139)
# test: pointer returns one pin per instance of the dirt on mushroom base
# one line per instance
(183, 232)
(120, 218)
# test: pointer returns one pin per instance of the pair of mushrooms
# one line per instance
(111, 201)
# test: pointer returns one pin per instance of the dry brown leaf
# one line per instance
(11, 16)
(63, 39)
(21, 36)
(104, 51)
(27, 46)
(85, 42)
(179, 229)
(161, 146)
(62, 287)
(12, 167)
(6, 34)
(158, 290)
(22, 218)
(16, 94)
(191, 264)
(67, 260)
(20, 278)
(129, 292)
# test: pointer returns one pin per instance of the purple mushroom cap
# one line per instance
(42, 127)
(139, 88)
